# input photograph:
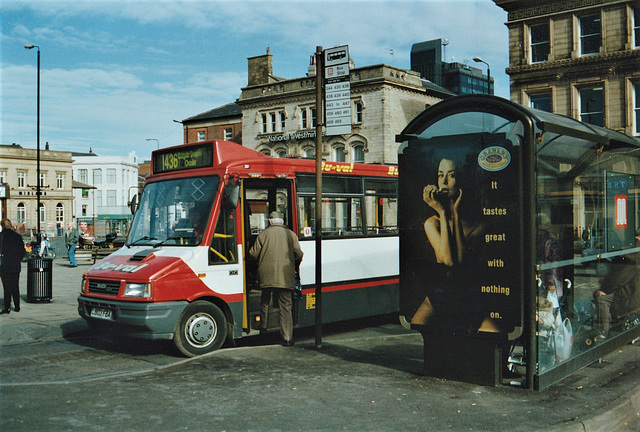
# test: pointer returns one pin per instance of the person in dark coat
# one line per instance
(278, 254)
(11, 253)
(619, 293)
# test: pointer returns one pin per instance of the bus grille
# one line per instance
(104, 287)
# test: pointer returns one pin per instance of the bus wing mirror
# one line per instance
(232, 195)
(133, 205)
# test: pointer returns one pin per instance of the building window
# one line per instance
(592, 106)
(358, 154)
(3, 176)
(59, 214)
(636, 112)
(539, 42)
(60, 181)
(636, 27)
(359, 107)
(111, 198)
(338, 154)
(228, 134)
(111, 176)
(97, 176)
(308, 118)
(84, 209)
(273, 121)
(590, 35)
(201, 136)
(281, 153)
(43, 213)
(43, 179)
(82, 176)
(541, 101)
(272, 116)
(85, 193)
(21, 214)
(313, 117)
(22, 177)
(309, 152)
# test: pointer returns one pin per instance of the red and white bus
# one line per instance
(183, 274)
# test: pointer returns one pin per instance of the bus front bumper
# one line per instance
(136, 319)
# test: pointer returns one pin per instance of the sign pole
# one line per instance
(319, 148)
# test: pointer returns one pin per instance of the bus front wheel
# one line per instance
(202, 328)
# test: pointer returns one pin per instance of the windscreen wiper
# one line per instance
(144, 238)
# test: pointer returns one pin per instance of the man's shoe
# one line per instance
(287, 343)
(16, 309)
(5, 311)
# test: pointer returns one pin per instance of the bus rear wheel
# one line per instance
(202, 328)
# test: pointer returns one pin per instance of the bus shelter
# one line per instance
(519, 241)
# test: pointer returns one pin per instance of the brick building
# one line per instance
(222, 123)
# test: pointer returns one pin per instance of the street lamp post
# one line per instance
(30, 46)
(479, 60)
(153, 139)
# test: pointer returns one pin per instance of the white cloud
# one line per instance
(116, 73)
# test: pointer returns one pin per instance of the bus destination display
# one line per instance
(178, 159)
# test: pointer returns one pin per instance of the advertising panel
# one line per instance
(459, 217)
(620, 215)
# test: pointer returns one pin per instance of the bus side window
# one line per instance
(223, 243)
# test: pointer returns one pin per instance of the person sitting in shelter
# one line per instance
(619, 293)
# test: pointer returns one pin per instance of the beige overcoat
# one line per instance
(278, 254)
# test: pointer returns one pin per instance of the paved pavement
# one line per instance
(374, 373)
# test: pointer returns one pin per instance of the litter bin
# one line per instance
(39, 279)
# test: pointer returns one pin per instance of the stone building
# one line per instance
(18, 170)
(578, 58)
(278, 114)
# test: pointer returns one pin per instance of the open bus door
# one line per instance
(259, 198)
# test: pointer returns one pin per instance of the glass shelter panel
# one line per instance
(587, 256)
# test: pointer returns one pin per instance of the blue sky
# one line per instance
(115, 73)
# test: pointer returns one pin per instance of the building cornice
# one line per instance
(526, 10)
(601, 62)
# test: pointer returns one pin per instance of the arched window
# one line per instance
(358, 154)
(21, 213)
(281, 153)
(59, 213)
(338, 153)
(309, 152)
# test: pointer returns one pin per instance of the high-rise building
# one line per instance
(459, 78)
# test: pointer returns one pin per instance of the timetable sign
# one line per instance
(337, 87)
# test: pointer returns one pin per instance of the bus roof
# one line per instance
(230, 157)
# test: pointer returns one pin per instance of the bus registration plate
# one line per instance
(102, 313)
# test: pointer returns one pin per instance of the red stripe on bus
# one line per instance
(355, 285)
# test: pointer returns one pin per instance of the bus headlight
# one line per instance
(142, 290)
